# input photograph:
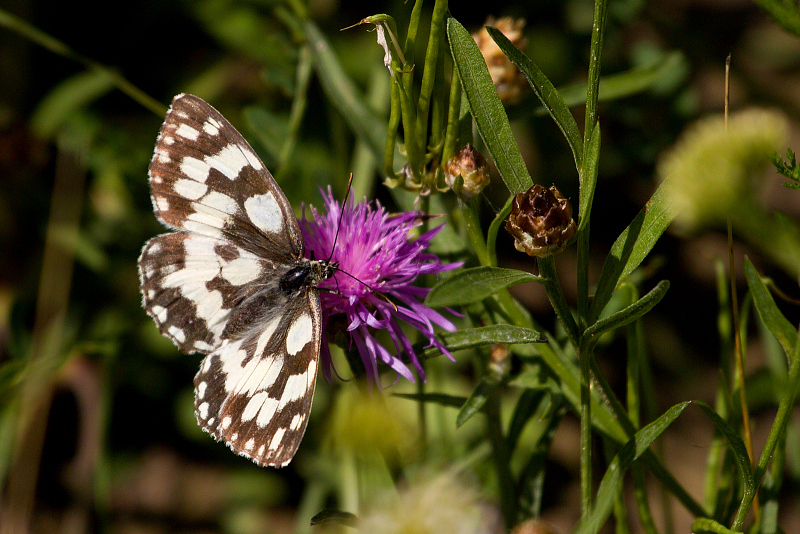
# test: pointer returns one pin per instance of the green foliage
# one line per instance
(533, 353)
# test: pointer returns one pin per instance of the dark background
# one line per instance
(120, 451)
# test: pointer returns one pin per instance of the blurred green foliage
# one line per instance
(96, 423)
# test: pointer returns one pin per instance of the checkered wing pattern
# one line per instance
(231, 282)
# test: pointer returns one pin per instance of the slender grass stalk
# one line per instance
(304, 68)
(57, 47)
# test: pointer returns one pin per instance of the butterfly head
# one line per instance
(307, 273)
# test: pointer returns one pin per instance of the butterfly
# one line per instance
(231, 281)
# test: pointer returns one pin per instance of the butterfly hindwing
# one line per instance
(262, 385)
(232, 283)
(192, 284)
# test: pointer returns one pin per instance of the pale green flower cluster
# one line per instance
(442, 504)
(710, 169)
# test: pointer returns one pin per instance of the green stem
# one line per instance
(452, 115)
(508, 497)
(429, 71)
(391, 132)
(547, 268)
(469, 210)
(778, 426)
(593, 83)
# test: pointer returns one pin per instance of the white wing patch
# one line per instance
(264, 212)
(300, 334)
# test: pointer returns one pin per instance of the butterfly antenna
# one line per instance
(336, 238)
(375, 291)
(341, 215)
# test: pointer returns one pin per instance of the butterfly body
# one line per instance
(232, 282)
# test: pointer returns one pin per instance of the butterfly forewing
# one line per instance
(214, 286)
(205, 178)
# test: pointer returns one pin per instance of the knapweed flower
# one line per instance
(473, 169)
(541, 221)
(379, 261)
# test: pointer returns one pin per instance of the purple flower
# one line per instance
(378, 263)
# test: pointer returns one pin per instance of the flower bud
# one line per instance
(471, 166)
(541, 221)
(508, 80)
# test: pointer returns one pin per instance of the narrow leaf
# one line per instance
(545, 91)
(737, 447)
(626, 315)
(771, 316)
(474, 285)
(67, 97)
(487, 110)
(588, 178)
(478, 397)
(671, 66)
(632, 246)
(486, 335)
(337, 517)
(612, 480)
(705, 525)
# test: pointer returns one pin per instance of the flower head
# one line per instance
(378, 263)
(541, 221)
(473, 169)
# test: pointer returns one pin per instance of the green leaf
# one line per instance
(546, 92)
(632, 246)
(626, 315)
(705, 525)
(487, 110)
(768, 311)
(487, 384)
(612, 480)
(67, 97)
(472, 285)
(627, 83)
(736, 444)
(527, 405)
(535, 379)
(588, 178)
(337, 517)
(486, 335)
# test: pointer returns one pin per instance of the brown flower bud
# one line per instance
(508, 80)
(541, 221)
(471, 166)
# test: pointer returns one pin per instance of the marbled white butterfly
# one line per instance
(232, 282)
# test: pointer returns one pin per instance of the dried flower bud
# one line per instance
(508, 80)
(471, 166)
(541, 221)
